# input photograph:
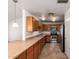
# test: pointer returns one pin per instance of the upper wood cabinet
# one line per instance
(36, 25)
(46, 27)
(31, 24)
(40, 26)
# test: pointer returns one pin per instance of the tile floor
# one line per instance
(52, 51)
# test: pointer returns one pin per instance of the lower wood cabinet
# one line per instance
(30, 56)
(22, 56)
(30, 53)
(34, 51)
(42, 43)
(47, 37)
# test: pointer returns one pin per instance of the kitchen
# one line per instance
(33, 33)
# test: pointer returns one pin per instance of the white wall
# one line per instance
(20, 32)
(67, 33)
(11, 10)
(24, 14)
(14, 33)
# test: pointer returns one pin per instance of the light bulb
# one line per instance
(15, 24)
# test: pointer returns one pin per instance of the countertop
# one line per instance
(17, 47)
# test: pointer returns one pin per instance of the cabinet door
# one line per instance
(30, 53)
(22, 56)
(41, 44)
(46, 27)
(29, 24)
(58, 38)
(40, 26)
(44, 40)
(30, 56)
(36, 25)
(36, 50)
(47, 39)
(39, 47)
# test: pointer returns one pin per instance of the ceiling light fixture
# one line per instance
(15, 24)
(43, 18)
(52, 17)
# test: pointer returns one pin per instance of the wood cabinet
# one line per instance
(47, 37)
(58, 27)
(36, 25)
(31, 24)
(46, 27)
(36, 50)
(58, 38)
(42, 43)
(30, 53)
(40, 26)
(22, 56)
(38, 47)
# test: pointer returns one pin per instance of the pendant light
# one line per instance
(15, 24)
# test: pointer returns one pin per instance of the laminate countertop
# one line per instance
(17, 47)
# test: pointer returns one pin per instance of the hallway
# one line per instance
(52, 51)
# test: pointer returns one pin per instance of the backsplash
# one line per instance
(32, 34)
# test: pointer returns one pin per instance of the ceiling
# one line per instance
(39, 7)
(43, 7)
